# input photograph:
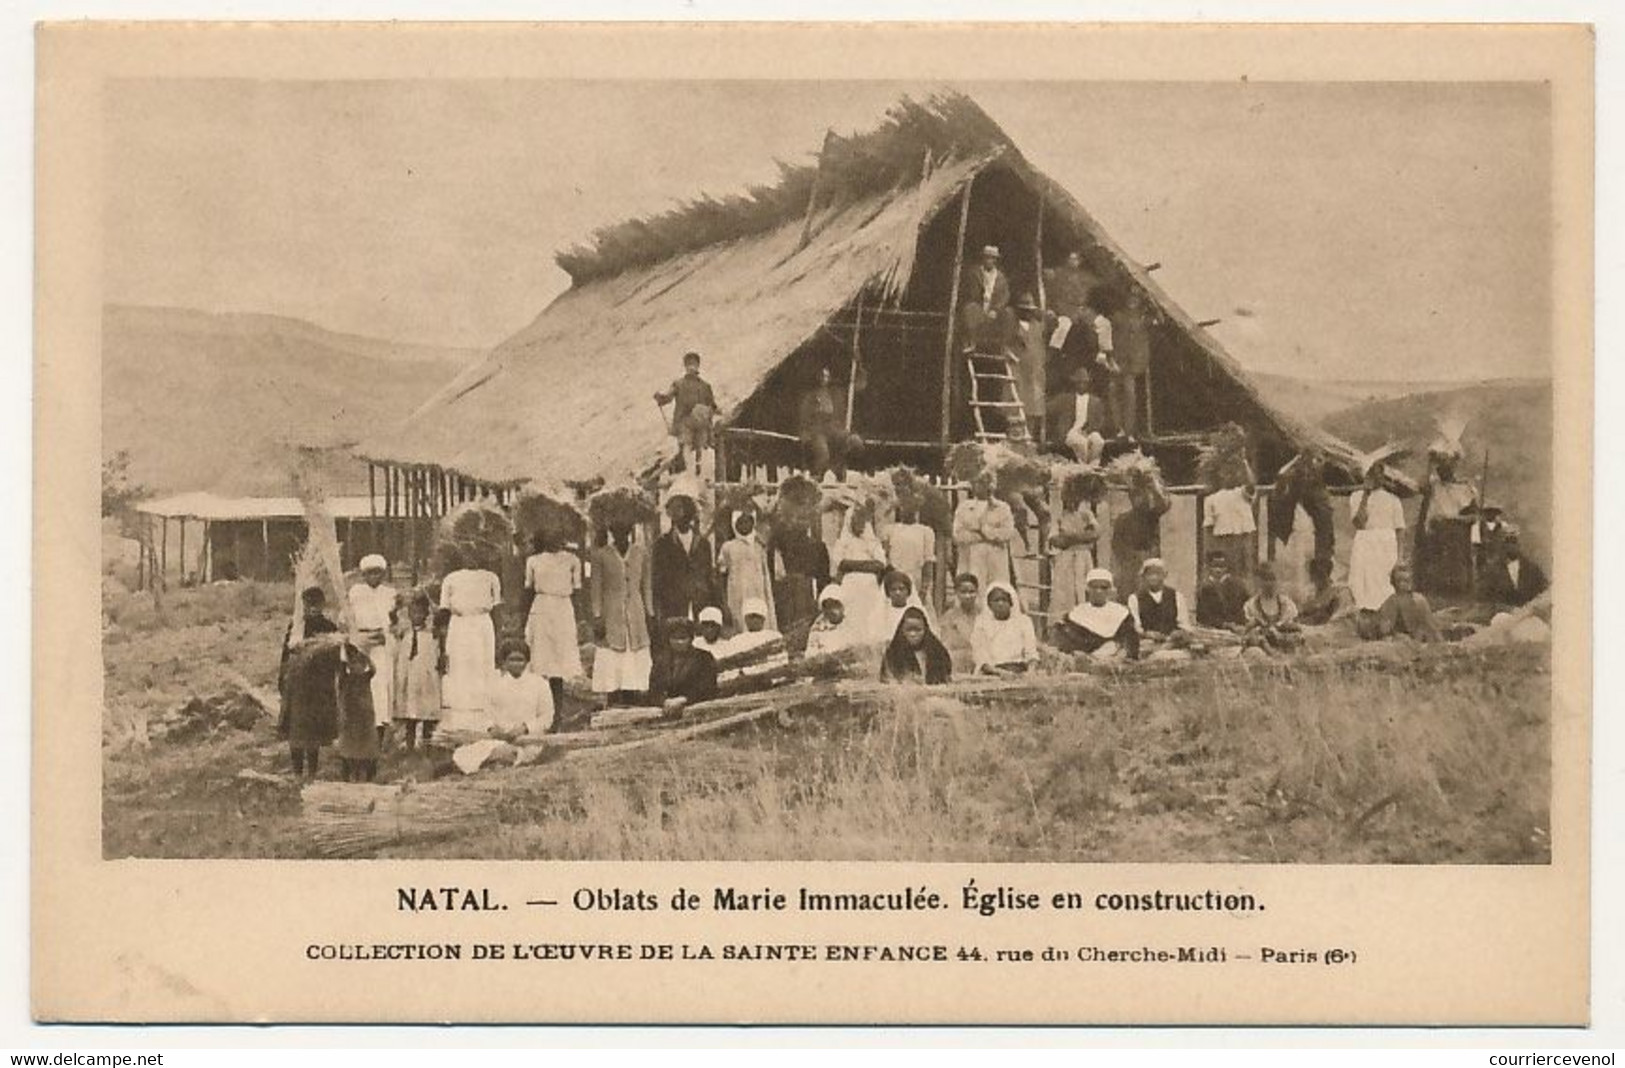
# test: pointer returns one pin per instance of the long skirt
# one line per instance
(1372, 557)
(471, 657)
(1067, 572)
(620, 669)
(551, 634)
(865, 606)
(383, 681)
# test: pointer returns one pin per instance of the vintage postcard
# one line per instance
(813, 523)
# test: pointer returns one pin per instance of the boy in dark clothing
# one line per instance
(1221, 601)
(693, 408)
(308, 720)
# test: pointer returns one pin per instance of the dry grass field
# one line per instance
(1429, 756)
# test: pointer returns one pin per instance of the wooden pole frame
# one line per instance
(953, 313)
(852, 380)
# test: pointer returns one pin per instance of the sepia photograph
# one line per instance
(1042, 471)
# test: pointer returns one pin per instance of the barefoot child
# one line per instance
(417, 670)
(309, 716)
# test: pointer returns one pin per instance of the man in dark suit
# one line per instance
(984, 304)
(684, 566)
(1514, 579)
(1076, 418)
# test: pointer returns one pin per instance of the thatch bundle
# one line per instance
(1014, 473)
(1134, 471)
(552, 518)
(1087, 480)
(623, 506)
(798, 501)
(892, 155)
(357, 819)
(475, 534)
(911, 490)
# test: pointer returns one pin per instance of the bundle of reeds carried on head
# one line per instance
(620, 507)
(929, 503)
(551, 518)
(1087, 481)
(1013, 472)
(475, 534)
(1134, 471)
(797, 503)
(356, 819)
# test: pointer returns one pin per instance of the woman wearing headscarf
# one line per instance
(860, 560)
(1101, 626)
(830, 632)
(1003, 641)
(743, 565)
(900, 597)
(373, 606)
(915, 654)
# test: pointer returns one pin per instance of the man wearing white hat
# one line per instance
(372, 606)
(984, 300)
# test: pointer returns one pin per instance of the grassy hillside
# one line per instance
(1511, 421)
(207, 401)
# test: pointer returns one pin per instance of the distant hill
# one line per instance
(1316, 400)
(1511, 420)
(206, 401)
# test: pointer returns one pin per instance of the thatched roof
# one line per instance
(746, 282)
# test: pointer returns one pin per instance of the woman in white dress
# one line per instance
(373, 604)
(860, 560)
(552, 577)
(469, 594)
(1378, 519)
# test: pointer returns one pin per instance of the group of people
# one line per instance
(1080, 359)
(428, 666)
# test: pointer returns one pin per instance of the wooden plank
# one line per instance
(265, 550)
(953, 311)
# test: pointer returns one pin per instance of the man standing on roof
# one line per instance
(694, 406)
(984, 299)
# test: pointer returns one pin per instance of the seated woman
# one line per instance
(1003, 641)
(757, 649)
(915, 654)
(1100, 627)
(709, 636)
(899, 589)
(1271, 618)
(521, 700)
(1330, 601)
(686, 675)
(1160, 615)
(1405, 613)
(829, 633)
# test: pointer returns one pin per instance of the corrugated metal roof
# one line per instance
(213, 507)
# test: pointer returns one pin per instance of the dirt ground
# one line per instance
(1436, 759)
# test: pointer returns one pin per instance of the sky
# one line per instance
(1341, 231)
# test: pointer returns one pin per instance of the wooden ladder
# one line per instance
(986, 368)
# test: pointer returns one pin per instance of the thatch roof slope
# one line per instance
(570, 396)
(746, 282)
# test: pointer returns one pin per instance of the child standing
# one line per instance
(694, 405)
(417, 670)
(358, 741)
(743, 564)
(309, 715)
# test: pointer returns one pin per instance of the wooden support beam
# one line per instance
(163, 559)
(183, 550)
(953, 312)
(857, 362)
(265, 550)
